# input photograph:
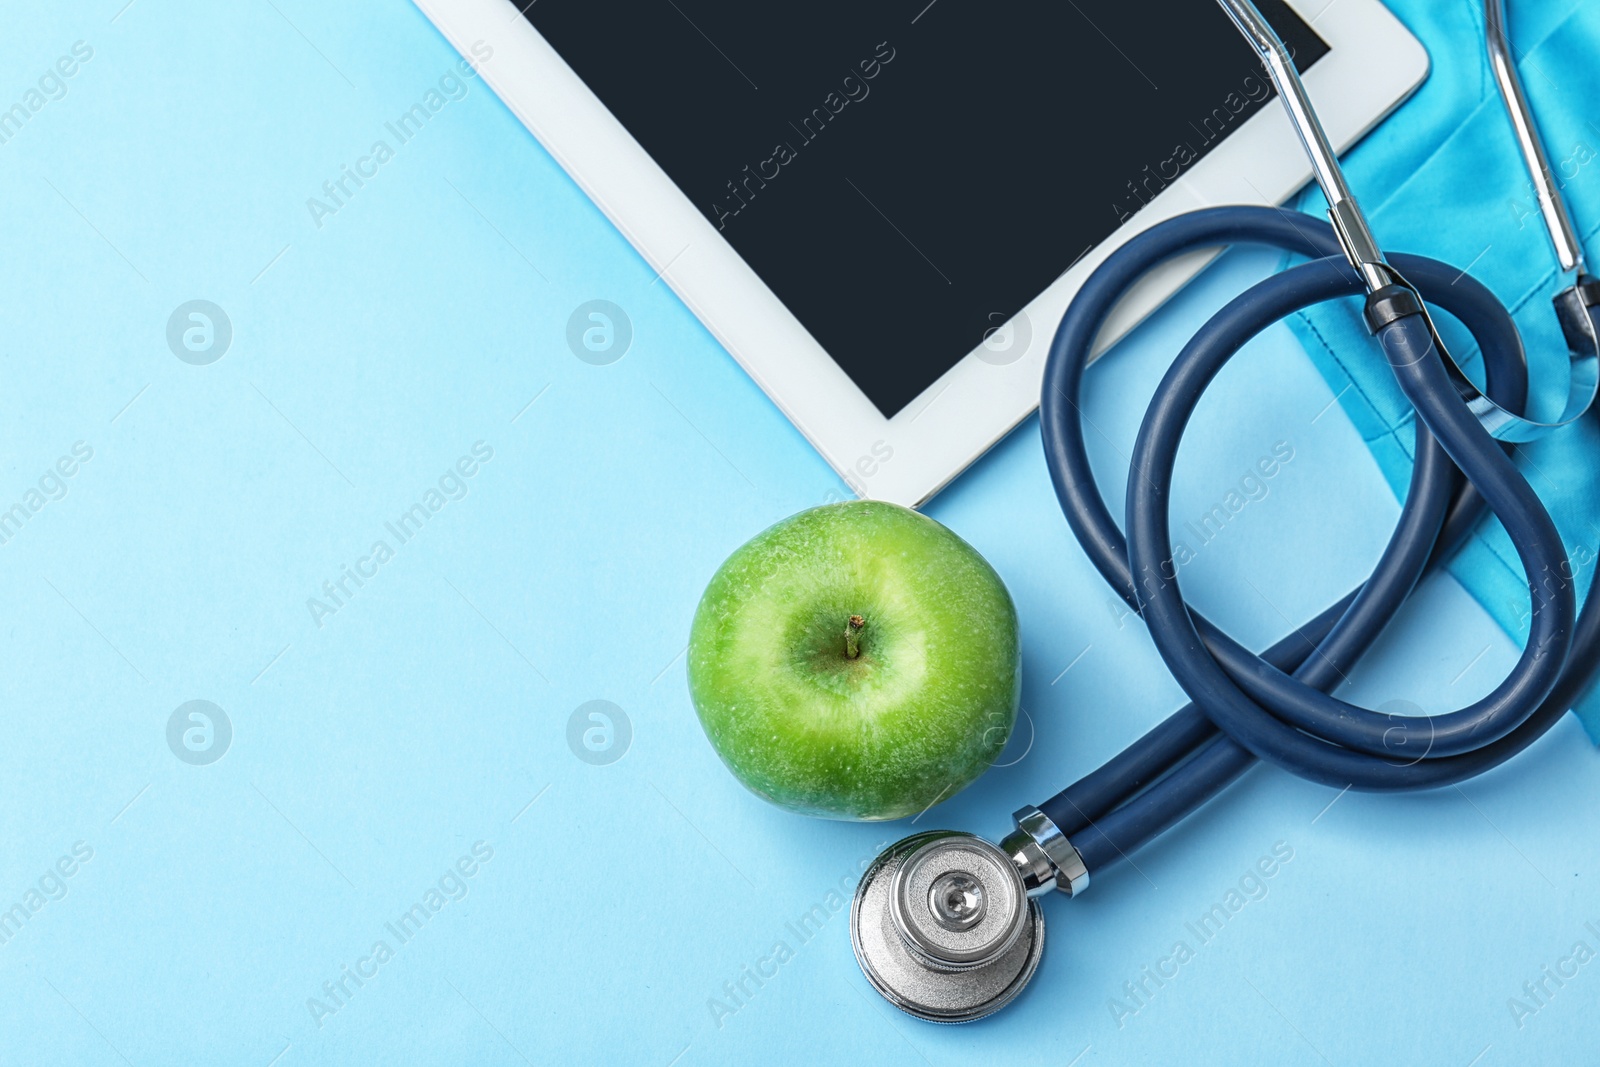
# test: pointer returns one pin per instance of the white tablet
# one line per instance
(882, 207)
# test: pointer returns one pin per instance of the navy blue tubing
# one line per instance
(1284, 718)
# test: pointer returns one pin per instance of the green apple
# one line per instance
(856, 661)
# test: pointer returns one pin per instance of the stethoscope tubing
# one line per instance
(1274, 706)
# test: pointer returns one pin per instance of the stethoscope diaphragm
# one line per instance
(943, 927)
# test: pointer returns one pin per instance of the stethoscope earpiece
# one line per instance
(944, 928)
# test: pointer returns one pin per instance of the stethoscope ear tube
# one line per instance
(1366, 257)
(1552, 208)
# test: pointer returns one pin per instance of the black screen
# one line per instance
(907, 175)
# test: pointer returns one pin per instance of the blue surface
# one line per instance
(430, 712)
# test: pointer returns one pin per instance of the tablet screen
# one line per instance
(906, 175)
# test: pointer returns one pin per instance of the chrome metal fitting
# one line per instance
(1043, 855)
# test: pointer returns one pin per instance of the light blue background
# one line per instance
(430, 712)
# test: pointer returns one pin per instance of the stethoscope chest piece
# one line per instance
(944, 928)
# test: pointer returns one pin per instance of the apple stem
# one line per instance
(852, 635)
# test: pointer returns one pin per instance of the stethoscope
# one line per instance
(948, 926)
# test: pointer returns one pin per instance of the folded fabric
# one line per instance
(1442, 177)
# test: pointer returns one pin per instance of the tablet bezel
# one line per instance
(1373, 64)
